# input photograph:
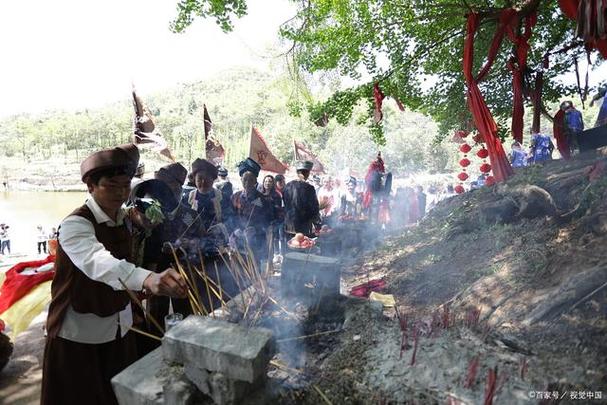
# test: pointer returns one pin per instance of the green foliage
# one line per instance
(414, 49)
(221, 10)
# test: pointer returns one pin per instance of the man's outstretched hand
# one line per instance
(169, 283)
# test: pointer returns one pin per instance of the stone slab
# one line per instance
(221, 389)
(142, 382)
(239, 352)
(179, 390)
(310, 276)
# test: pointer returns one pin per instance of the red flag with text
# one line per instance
(260, 152)
(302, 153)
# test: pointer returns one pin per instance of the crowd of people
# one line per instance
(569, 125)
(132, 231)
(42, 238)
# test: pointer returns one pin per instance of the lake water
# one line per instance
(24, 210)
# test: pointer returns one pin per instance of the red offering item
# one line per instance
(301, 242)
(363, 290)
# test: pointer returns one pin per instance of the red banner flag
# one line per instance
(302, 153)
(144, 130)
(213, 149)
(260, 152)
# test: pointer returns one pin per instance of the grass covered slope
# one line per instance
(501, 292)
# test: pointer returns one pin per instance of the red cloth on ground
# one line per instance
(363, 290)
(16, 285)
(476, 103)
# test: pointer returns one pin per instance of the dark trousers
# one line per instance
(78, 373)
(6, 245)
(41, 247)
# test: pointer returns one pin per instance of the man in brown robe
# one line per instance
(88, 339)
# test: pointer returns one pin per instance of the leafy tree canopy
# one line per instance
(413, 48)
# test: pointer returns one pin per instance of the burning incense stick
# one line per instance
(206, 284)
(278, 364)
(136, 330)
(138, 302)
(219, 284)
(309, 336)
(323, 396)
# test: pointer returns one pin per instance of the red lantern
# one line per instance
(462, 133)
(459, 189)
(483, 153)
(478, 138)
(489, 181)
(465, 148)
(462, 176)
(485, 168)
(464, 162)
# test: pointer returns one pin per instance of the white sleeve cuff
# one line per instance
(136, 279)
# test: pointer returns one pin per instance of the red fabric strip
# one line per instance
(483, 119)
(16, 285)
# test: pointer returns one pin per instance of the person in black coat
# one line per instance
(300, 201)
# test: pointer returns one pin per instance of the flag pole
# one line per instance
(250, 140)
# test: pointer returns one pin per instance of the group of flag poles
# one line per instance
(146, 135)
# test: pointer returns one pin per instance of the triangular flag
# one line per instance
(208, 125)
(302, 153)
(214, 151)
(144, 130)
(260, 152)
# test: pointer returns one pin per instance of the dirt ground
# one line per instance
(524, 295)
(21, 379)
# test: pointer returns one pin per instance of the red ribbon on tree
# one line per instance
(517, 67)
(459, 189)
(378, 115)
(483, 119)
(485, 168)
(464, 162)
(462, 176)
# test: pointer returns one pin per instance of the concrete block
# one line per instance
(179, 390)
(309, 276)
(142, 382)
(221, 389)
(199, 377)
(239, 352)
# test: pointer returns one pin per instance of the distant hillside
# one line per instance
(235, 99)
